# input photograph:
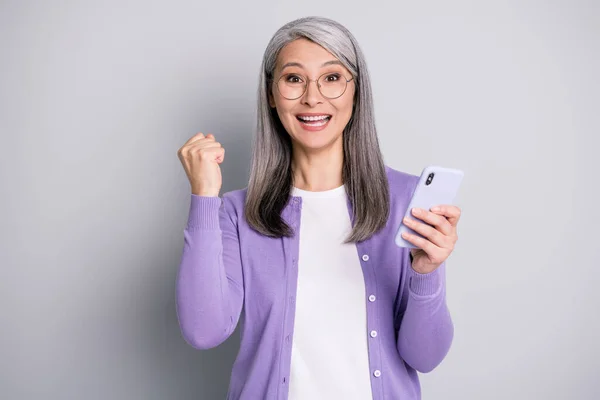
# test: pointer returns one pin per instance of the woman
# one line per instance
(333, 309)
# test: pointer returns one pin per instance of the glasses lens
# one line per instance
(291, 86)
(332, 85)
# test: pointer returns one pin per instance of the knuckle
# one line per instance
(201, 153)
(440, 235)
(436, 259)
(442, 238)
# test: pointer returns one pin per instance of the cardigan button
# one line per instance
(365, 257)
(377, 373)
(372, 298)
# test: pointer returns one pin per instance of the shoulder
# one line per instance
(236, 196)
(402, 184)
(234, 201)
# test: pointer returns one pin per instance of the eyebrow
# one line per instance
(297, 64)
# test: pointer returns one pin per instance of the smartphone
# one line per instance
(437, 185)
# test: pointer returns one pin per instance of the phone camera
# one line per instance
(429, 179)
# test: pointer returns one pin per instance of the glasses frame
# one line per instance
(308, 81)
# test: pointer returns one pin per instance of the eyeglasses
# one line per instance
(331, 85)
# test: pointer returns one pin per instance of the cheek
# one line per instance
(345, 108)
(284, 110)
(286, 117)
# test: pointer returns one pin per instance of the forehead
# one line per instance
(305, 52)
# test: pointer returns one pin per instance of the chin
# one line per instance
(315, 140)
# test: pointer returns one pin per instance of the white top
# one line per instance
(329, 345)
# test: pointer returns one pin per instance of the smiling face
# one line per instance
(313, 121)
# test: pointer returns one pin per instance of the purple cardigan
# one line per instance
(227, 266)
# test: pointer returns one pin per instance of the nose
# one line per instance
(312, 96)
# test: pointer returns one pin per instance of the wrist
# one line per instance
(423, 271)
(205, 193)
(425, 284)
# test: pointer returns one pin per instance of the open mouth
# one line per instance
(314, 120)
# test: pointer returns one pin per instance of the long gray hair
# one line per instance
(363, 172)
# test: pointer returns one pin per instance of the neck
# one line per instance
(318, 171)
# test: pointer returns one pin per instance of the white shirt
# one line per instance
(329, 345)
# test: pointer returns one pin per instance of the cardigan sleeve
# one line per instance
(209, 286)
(426, 329)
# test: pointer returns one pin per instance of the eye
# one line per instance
(332, 77)
(292, 78)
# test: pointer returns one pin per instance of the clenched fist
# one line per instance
(200, 157)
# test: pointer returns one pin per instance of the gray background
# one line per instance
(96, 98)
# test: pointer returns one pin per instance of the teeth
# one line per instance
(315, 118)
(316, 123)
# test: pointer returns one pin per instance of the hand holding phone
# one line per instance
(436, 186)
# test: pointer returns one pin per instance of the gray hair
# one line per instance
(363, 172)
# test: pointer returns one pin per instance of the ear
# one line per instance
(271, 99)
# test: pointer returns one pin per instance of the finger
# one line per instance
(452, 213)
(213, 148)
(220, 156)
(439, 221)
(424, 244)
(413, 252)
(435, 236)
(194, 138)
(204, 145)
(434, 253)
(215, 153)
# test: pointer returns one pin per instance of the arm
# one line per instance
(426, 329)
(209, 286)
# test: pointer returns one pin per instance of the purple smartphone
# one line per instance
(437, 185)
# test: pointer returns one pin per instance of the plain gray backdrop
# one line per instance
(97, 97)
